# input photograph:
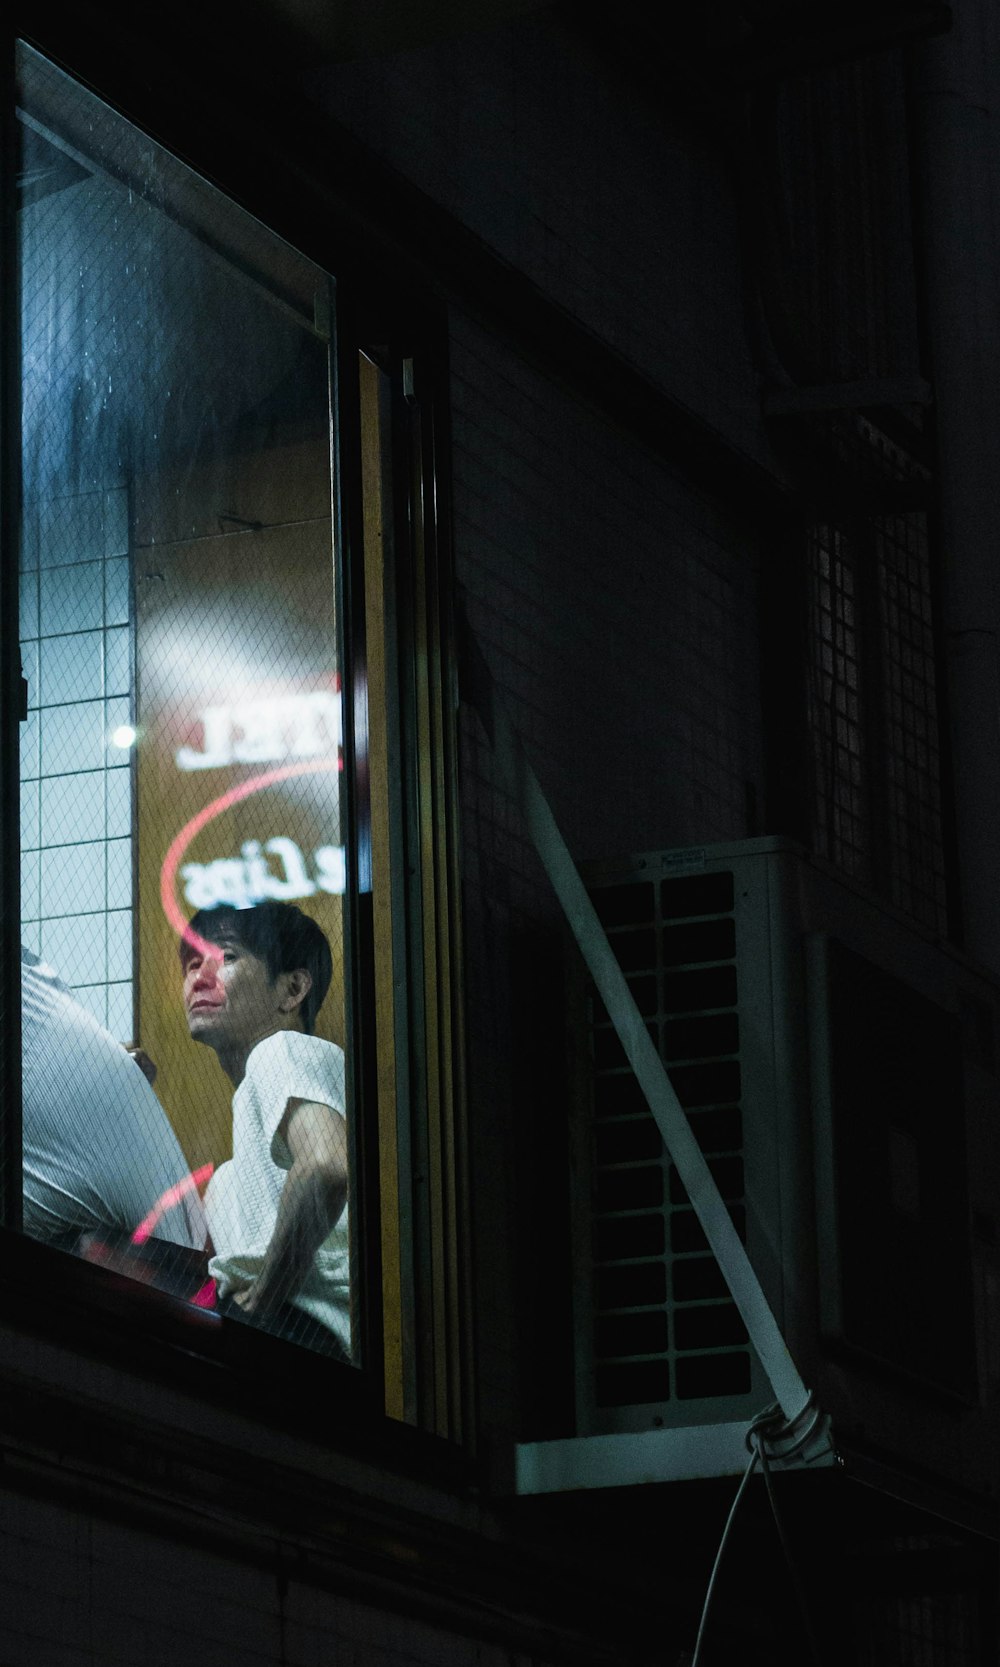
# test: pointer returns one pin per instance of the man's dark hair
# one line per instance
(279, 934)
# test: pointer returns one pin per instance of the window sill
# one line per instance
(106, 1321)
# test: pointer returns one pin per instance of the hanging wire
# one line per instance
(710, 1592)
(796, 1578)
(766, 1427)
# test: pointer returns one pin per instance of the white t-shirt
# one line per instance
(243, 1194)
(98, 1149)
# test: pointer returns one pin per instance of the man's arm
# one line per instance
(312, 1200)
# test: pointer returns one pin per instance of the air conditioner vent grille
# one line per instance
(662, 1325)
(837, 1069)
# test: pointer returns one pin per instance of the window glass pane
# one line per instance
(181, 760)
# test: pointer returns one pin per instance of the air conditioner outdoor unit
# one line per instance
(839, 1073)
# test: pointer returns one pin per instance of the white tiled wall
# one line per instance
(76, 799)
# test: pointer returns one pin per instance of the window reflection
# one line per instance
(181, 761)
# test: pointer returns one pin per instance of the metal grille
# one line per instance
(664, 1327)
(912, 748)
(877, 800)
(841, 802)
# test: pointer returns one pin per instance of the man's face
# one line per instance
(230, 1002)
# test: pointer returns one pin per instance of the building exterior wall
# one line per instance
(631, 599)
(82, 1590)
(613, 197)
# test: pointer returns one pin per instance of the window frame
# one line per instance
(428, 1387)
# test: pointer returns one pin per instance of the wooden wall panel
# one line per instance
(237, 679)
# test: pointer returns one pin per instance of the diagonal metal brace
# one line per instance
(789, 1390)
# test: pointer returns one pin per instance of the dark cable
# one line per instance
(768, 1424)
(731, 1518)
(793, 1571)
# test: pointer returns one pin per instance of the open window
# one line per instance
(236, 939)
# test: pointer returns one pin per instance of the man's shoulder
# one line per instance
(293, 1052)
(296, 1044)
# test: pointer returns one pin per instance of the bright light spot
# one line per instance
(123, 736)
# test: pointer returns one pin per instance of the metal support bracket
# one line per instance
(790, 1392)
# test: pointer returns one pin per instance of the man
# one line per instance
(254, 980)
(98, 1150)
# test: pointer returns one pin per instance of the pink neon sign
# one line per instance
(208, 813)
